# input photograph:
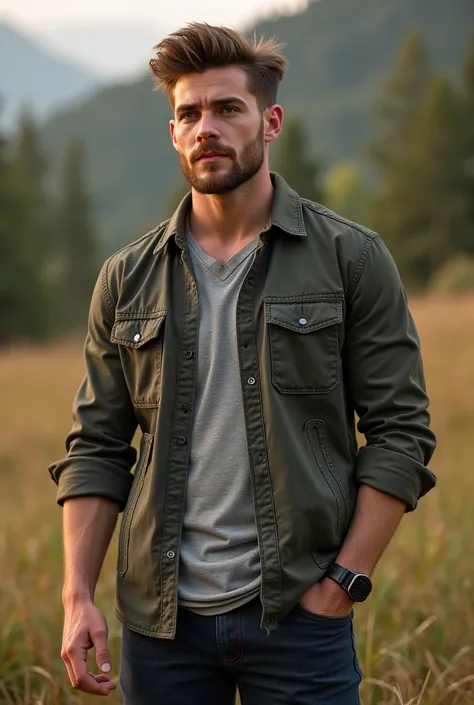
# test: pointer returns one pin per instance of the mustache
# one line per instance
(215, 148)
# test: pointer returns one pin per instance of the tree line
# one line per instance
(48, 244)
(414, 185)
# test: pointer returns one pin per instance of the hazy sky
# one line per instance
(36, 13)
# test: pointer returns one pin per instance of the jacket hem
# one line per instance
(155, 633)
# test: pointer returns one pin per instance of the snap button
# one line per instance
(188, 354)
(181, 441)
(137, 337)
(251, 380)
(303, 321)
(171, 554)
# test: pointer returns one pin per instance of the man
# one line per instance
(241, 336)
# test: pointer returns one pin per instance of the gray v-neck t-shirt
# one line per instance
(220, 560)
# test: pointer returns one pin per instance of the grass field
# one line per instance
(415, 635)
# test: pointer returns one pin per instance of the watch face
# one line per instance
(360, 588)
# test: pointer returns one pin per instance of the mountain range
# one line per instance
(33, 76)
(339, 53)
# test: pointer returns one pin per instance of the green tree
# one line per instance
(30, 172)
(347, 192)
(20, 286)
(397, 107)
(394, 206)
(293, 160)
(437, 205)
(78, 238)
(468, 132)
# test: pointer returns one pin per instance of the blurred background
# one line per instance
(379, 103)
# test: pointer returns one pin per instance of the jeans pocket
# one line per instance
(357, 667)
(324, 618)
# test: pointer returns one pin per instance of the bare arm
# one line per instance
(376, 518)
(88, 526)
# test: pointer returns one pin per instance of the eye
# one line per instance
(227, 109)
(187, 116)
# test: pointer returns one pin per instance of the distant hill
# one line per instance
(32, 76)
(338, 51)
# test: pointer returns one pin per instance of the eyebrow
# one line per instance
(184, 107)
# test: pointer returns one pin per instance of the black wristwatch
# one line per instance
(357, 585)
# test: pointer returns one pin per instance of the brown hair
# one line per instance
(200, 46)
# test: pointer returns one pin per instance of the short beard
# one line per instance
(241, 171)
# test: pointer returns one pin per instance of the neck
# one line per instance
(236, 216)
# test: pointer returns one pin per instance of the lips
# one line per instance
(209, 155)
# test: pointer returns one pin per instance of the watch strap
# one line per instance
(341, 575)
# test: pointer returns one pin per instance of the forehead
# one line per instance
(213, 84)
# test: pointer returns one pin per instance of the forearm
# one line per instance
(88, 526)
(376, 518)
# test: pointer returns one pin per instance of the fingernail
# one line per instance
(106, 667)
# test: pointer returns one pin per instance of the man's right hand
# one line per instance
(85, 628)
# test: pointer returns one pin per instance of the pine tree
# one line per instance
(78, 239)
(30, 171)
(468, 132)
(347, 193)
(391, 152)
(293, 162)
(20, 300)
(437, 206)
(398, 104)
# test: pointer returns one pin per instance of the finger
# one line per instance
(101, 678)
(82, 680)
(69, 670)
(101, 648)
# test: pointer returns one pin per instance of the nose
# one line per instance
(207, 128)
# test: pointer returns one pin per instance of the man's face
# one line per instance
(218, 130)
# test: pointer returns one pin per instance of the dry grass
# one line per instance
(416, 634)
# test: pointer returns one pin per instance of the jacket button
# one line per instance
(185, 408)
(137, 337)
(181, 441)
(171, 554)
(303, 321)
(251, 381)
(188, 354)
(251, 281)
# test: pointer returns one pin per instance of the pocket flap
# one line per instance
(303, 316)
(137, 331)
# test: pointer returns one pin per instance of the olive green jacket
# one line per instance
(324, 333)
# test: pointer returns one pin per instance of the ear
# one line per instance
(173, 135)
(273, 118)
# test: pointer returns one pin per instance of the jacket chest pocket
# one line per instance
(304, 345)
(140, 342)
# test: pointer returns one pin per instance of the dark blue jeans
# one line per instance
(308, 660)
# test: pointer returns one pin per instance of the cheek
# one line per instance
(183, 139)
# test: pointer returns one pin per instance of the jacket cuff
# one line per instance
(97, 479)
(395, 474)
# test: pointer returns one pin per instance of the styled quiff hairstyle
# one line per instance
(200, 46)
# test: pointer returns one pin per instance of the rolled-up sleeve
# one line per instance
(99, 453)
(385, 377)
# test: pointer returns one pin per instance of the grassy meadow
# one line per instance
(416, 633)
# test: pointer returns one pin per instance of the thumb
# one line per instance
(101, 648)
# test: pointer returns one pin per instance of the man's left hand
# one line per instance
(327, 598)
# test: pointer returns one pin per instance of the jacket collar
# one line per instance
(287, 214)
